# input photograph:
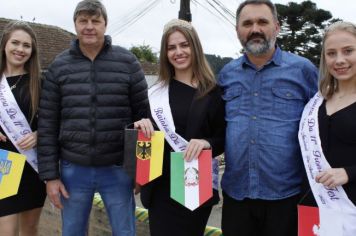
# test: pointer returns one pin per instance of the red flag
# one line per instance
(308, 221)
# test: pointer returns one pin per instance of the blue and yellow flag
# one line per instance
(11, 168)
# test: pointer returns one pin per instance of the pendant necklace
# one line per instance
(15, 84)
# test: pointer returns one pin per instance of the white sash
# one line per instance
(14, 123)
(329, 200)
(162, 114)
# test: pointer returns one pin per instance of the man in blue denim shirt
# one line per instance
(265, 92)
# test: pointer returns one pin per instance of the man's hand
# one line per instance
(55, 189)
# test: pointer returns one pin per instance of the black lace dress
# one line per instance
(32, 191)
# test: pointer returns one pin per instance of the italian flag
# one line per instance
(149, 153)
(191, 182)
(11, 167)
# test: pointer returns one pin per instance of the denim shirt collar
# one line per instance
(276, 59)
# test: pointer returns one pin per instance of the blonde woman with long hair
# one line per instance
(328, 132)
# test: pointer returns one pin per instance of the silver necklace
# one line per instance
(15, 84)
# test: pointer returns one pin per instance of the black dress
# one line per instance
(338, 140)
(32, 191)
(166, 216)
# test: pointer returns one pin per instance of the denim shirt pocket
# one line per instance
(232, 97)
(288, 103)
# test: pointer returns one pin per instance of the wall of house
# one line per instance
(151, 79)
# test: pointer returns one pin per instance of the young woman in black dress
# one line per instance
(335, 114)
(198, 115)
(19, 66)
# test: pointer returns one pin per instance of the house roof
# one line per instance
(51, 40)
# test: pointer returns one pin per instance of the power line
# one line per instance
(225, 9)
(126, 21)
(132, 17)
(206, 8)
(225, 13)
(214, 7)
(222, 17)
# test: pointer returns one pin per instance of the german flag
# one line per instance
(11, 168)
(143, 156)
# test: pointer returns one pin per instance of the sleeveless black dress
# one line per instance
(32, 191)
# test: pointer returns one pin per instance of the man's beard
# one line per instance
(257, 48)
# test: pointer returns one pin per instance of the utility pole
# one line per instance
(184, 12)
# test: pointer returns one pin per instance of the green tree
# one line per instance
(302, 28)
(144, 53)
(217, 62)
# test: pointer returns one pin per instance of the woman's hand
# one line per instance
(28, 141)
(145, 125)
(137, 189)
(194, 147)
(333, 177)
(2, 137)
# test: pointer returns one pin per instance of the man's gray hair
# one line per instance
(91, 7)
(268, 3)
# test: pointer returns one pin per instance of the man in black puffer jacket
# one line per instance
(91, 92)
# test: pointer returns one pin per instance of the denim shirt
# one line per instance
(263, 109)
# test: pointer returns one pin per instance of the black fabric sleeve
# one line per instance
(138, 92)
(351, 173)
(48, 129)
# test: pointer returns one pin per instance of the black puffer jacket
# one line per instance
(85, 106)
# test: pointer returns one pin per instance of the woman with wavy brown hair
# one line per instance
(21, 83)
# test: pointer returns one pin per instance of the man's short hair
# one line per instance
(268, 3)
(91, 7)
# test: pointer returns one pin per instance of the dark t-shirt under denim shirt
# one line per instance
(263, 109)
